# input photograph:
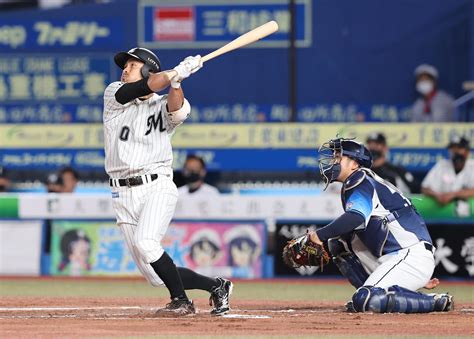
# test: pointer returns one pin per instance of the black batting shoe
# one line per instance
(220, 297)
(177, 306)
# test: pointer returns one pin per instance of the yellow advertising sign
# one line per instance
(222, 136)
(52, 136)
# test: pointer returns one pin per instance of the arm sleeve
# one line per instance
(130, 91)
(346, 223)
(175, 118)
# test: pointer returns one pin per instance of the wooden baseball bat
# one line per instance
(245, 39)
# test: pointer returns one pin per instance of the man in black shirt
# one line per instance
(397, 175)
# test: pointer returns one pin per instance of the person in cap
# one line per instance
(396, 175)
(138, 126)
(380, 243)
(433, 105)
(451, 178)
(194, 173)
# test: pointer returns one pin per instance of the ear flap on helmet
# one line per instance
(145, 71)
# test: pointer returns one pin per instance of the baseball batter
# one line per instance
(138, 125)
(394, 252)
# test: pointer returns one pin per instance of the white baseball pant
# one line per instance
(143, 214)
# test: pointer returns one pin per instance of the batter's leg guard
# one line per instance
(348, 263)
(399, 300)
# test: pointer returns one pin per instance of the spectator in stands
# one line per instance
(453, 178)
(63, 182)
(397, 175)
(4, 181)
(434, 105)
(194, 172)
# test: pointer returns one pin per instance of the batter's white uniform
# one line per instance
(137, 144)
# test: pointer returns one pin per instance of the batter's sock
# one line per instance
(195, 281)
(166, 270)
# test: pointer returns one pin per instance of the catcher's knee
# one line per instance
(149, 249)
(336, 247)
(347, 263)
(370, 299)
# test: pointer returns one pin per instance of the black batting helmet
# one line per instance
(152, 63)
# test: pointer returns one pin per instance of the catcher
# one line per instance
(380, 244)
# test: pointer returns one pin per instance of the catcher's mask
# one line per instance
(330, 155)
(151, 62)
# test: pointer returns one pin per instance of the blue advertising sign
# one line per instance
(51, 34)
(279, 112)
(51, 113)
(216, 159)
(52, 159)
(53, 88)
(206, 24)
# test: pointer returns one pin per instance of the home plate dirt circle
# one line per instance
(112, 312)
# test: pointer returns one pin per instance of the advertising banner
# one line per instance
(307, 204)
(228, 248)
(242, 136)
(266, 147)
(208, 24)
(454, 255)
(34, 34)
(53, 88)
(20, 247)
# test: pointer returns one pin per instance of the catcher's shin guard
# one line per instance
(347, 263)
(399, 300)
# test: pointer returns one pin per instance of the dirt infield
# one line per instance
(82, 317)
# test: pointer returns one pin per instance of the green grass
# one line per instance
(279, 290)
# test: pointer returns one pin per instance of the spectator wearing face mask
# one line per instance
(194, 172)
(433, 105)
(453, 178)
(396, 175)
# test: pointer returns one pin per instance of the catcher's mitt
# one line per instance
(302, 251)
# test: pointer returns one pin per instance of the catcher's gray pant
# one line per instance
(143, 214)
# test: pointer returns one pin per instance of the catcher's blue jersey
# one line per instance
(391, 222)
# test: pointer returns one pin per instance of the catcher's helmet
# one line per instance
(329, 151)
(152, 63)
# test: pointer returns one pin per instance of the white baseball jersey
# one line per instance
(137, 143)
(137, 135)
(442, 177)
(205, 190)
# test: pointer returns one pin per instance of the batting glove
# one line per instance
(193, 63)
(183, 72)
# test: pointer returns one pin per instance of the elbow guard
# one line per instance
(178, 116)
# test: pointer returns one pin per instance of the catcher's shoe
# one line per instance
(177, 306)
(220, 297)
(443, 302)
(350, 307)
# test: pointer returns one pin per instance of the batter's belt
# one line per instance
(133, 181)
